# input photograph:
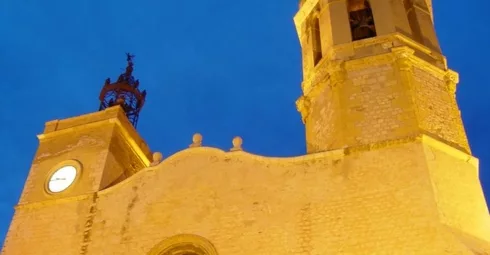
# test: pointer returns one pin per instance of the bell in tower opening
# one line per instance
(361, 19)
(124, 92)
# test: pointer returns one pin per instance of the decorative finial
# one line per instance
(157, 158)
(129, 68)
(129, 58)
(237, 144)
(124, 92)
(196, 140)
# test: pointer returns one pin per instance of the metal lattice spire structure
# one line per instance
(124, 92)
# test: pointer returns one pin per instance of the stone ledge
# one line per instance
(36, 205)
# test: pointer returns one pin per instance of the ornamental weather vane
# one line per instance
(124, 92)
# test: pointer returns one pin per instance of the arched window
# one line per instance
(361, 19)
(412, 20)
(317, 40)
(185, 244)
(314, 35)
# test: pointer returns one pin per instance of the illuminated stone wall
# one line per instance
(388, 168)
(397, 198)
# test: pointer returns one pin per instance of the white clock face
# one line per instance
(62, 179)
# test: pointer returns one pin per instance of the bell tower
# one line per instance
(373, 73)
(374, 78)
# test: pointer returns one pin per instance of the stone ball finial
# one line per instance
(237, 144)
(157, 158)
(196, 140)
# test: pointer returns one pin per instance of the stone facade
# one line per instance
(397, 199)
(388, 170)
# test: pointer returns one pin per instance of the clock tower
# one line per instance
(77, 157)
(88, 153)
(83, 155)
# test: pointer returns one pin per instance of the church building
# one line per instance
(388, 167)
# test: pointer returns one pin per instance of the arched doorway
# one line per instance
(184, 244)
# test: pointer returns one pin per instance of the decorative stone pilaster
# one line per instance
(404, 62)
(334, 72)
(452, 79)
(336, 69)
(303, 105)
(403, 59)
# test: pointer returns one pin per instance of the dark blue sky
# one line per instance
(218, 67)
